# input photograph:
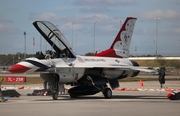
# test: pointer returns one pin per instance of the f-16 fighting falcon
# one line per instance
(87, 75)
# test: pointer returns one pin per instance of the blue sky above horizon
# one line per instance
(17, 16)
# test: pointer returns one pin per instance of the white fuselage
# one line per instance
(71, 69)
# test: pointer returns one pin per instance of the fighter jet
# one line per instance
(87, 75)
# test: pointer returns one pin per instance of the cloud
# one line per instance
(100, 18)
(4, 20)
(101, 6)
(107, 28)
(65, 22)
(68, 26)
(177, 2)
(171, 15)
(45, 16)
(4, 29)
(176, 30)
(83, 23)
(95, 9)
(89, 18)
(104, 2)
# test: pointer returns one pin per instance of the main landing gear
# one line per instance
(90, 90)
(80, 90)
(107, 93)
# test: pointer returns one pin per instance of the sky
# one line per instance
(17, 16)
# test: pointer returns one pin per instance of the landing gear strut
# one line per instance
(55, 88)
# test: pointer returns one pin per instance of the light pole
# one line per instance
(33, 44)
(154, 45)
(13, 60)
(24, 45)
(92, 43)
(121, 22)
(94, 36)
(156, 34)
(76, 42)
(72, 34)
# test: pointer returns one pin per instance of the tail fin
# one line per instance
(120, 46)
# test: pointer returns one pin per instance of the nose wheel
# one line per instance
(55, 90)
(55, 96)
(107, 93)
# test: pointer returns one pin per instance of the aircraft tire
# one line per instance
(55, 96)
(107, 93)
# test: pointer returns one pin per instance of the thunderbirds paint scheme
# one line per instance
(88, 75)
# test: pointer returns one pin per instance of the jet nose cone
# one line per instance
(18, 69)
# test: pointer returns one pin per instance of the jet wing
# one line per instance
(55, 38)
(143, 69)
(104, 66)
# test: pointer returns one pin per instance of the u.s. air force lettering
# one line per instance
(95, 60)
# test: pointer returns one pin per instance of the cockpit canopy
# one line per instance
(55, 38)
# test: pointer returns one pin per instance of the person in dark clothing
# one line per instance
(162, 74)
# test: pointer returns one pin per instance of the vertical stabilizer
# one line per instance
(120, 46)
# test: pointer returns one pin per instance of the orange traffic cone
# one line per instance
(141, 83)
(22, 87)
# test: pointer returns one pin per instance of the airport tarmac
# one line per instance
(125, 103)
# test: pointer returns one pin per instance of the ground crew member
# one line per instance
(162, 74)
(1, 95)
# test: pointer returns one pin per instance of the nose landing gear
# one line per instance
(55, 95)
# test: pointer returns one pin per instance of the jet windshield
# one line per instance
(54, 37)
